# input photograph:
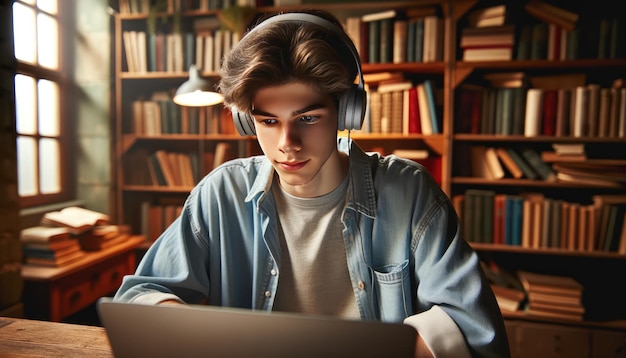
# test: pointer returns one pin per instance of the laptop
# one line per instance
(137, 330)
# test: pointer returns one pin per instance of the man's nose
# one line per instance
(290, 139)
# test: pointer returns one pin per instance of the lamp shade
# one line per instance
(197, 92)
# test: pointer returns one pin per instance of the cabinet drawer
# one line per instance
(91, 286)
(608, 344)
(546, 341)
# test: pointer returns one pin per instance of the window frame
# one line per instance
(59, 76)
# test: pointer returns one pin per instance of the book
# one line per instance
(509, 163)
(569, 148)
(552, 14)
(504, 53)
(44, 253)
(44, 235)
(222, 153)
(508, 299)
(51, 246)
(411, 153)
(529, 172)
(534, 159)
(484, 163)
(55, 262)
(487, 37)
(531, 311)
(551, 157)
(426, 122)
(550, 284)
(488, 16)
(533, 112)
(75, 218)
(433, 39)
(380, 15)
(429, 90)
(552, 299)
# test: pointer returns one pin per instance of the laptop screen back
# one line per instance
(204, 331)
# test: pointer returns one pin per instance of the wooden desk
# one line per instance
(30, 338)
(55, 293)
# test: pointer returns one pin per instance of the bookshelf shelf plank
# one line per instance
(542, 64)
(157, 189)
(522, 183)
(546, 251)
(520, 138)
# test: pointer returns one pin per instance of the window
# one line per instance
(39, 87)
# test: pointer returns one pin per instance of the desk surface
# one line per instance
(30, 338)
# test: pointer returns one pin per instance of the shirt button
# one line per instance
(273, 272)
(361, 285)
(268, 294)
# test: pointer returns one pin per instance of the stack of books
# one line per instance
(49, 246)
(488, 37)
(488, 43)
(92, 230)
(103, 236)
(552, 296)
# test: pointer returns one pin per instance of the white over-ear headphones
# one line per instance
(351, 111)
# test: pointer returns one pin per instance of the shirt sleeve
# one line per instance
(172, 268)
(450, 280)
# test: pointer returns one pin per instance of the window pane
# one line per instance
(26, 166)
(49, 174)
(25, 100)
(48, 108)
(48, 41)
(49, 6)
(24, 33)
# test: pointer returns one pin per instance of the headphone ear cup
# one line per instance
(351, 112)
(244, 123)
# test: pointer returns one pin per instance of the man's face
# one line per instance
(297, 130)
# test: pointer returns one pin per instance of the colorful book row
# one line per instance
(402, 107)
(583, 111)
(531, 220)
(160, 115)
(394, 36)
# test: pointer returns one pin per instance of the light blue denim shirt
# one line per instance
(402, 237)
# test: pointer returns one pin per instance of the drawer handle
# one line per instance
(75, 297)
(115, 276)
(95, 280)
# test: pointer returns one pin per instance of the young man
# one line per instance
(315, 225)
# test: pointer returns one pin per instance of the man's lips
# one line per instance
(295, 165)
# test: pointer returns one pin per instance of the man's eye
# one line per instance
(309, 119)
(268, 121)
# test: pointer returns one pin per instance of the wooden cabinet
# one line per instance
(56, 293)
(533, 339)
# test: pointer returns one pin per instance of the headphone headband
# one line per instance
(321, 22)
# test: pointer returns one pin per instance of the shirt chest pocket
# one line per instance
(393, 291)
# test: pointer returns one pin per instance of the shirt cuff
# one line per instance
(442, 336)
(154, 298)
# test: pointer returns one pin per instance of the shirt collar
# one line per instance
(361, 193)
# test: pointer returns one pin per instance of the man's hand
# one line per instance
(421, 349)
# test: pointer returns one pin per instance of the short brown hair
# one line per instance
(284, 52)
